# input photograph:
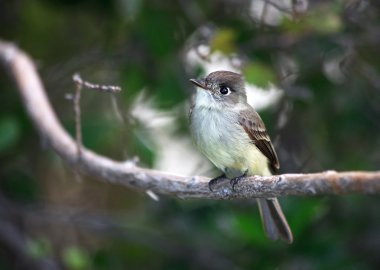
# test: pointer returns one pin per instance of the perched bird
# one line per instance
(231, 134)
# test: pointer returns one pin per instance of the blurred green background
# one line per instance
(322, 58)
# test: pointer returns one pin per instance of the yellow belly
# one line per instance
(240, 157)
(252, 161)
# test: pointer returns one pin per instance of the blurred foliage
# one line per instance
(259, 74)
(223, 41)
(330, 120)
(9, 132)
(75, 258)
(39, 248)
(324, 19)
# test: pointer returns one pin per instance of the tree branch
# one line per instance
(32, 92)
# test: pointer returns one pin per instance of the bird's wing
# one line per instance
(250, 120)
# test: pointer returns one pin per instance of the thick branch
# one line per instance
(127, 174)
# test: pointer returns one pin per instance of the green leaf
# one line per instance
(330, 22)
(324, 19)
(39, 248)
(76, 258)
(259, 74)
(9, 132)
(223, 41)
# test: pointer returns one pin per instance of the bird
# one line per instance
(232, 135)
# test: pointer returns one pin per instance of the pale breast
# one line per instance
(224, 142)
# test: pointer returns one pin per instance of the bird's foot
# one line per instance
(236, 180)
(215, 181)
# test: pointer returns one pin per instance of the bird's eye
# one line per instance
(224, 90)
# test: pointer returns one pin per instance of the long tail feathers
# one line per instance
(273, 219)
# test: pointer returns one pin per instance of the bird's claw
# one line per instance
(215, 181)
(236, 180)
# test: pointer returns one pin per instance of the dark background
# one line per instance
(327, 118)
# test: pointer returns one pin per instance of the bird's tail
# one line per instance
(273, 220)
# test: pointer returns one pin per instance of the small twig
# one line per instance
(152, 195)
(78, 131)
(278, 7)
(80, 83)
(99, 87)
(264, 14)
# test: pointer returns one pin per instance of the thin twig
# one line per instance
(80, 83)
(264, 13)
(278, 6)
(77, 112)
(99, 87)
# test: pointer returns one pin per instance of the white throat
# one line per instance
(204, 99)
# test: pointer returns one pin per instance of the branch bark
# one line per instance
(33, 95)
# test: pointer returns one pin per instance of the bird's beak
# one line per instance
(199, 82)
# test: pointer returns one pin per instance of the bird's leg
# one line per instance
(236, 180)
(215, 180)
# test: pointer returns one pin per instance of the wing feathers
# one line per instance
(255, 128)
